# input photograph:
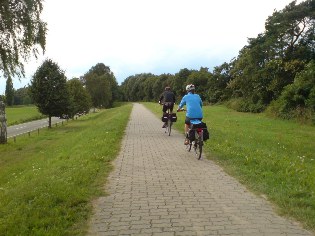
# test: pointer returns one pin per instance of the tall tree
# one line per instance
(217, 84)
(80, 100)
(49, 90)
(9, 92)
(99, 89)
(22, 33)
(107, 92)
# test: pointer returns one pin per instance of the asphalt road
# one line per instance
(16, 130)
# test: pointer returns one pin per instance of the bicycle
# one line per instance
(195, 137)
(168, 119)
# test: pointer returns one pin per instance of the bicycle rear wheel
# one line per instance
(199, 152)
(169, 126)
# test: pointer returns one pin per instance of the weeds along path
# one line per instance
(158, 188)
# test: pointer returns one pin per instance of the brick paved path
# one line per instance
(158, 188)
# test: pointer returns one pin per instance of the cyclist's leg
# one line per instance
(171, 107)
(187, 125)
(164, 109)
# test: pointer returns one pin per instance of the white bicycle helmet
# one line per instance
(190, 87)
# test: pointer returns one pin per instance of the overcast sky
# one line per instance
(142, 36)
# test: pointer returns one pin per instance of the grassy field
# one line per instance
(274, 158)
(20, 114)
(47, 181)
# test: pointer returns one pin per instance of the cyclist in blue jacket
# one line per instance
(193, 104)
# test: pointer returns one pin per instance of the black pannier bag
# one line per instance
(191, 135)
(202, 125)
(164, 117)
(206, 135)
(173, 117)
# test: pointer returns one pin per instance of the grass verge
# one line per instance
(271, 157)
(21, 114)
(47, 181)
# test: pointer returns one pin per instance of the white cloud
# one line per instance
(158, 36)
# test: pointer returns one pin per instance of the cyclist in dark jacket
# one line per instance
(167, 98)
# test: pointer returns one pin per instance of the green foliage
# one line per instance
(22, 31)
(80, 99)
(200, 80)
(22, 96)
(102, 86)
(145, 87)
(2, 98)
(49, 89)
(273, 59)
(49, 180)
(297, 100)
(180, 82)
(217, 84)
(9, 92)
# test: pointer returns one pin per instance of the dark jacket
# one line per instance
(167, 96)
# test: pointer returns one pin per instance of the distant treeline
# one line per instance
(275, 71)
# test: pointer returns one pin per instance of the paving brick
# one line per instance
(158, 188)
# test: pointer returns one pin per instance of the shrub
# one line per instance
(297, 100)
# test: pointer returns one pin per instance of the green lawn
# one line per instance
(20, 114)
(48, 181)
(275, 158)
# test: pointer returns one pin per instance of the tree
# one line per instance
(99, 89)
(49, 90)
(180, 81)
(22, 96)
(200, 79)
(298, 99)
(80, 100)
(217, 84)
(102, 85)
(9, 92)
(22, 33)
(273, 59)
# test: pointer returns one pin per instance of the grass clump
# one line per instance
(48, 181)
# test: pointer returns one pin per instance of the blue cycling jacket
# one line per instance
(194, 105)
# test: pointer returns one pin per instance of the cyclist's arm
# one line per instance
(161, 98)
(181, 104)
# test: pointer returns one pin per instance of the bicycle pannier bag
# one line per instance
(164, 117)
(203, 125)
(173, 117)
(206, 135)
(191, 135)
